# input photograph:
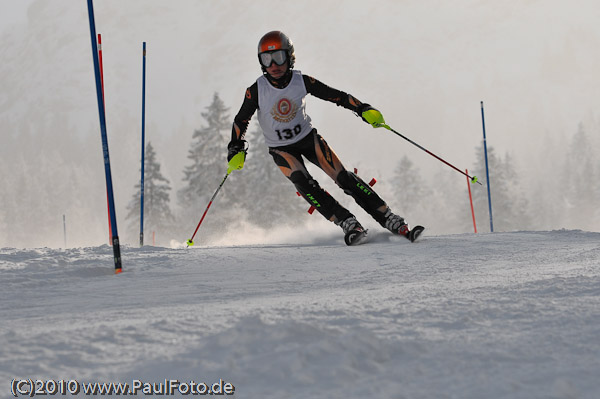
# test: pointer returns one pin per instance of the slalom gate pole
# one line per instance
(190, 242)
(472, 178)
(101, 67)
(143, 143)
(104, 106)
(487, 170)
(471, 201)
(102, 117)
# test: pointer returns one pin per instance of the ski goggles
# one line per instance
(277, 56)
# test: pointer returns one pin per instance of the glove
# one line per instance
(370, 115)
(236, 155)
(234, 147)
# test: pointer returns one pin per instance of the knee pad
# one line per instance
(312, 192)
(304, 184)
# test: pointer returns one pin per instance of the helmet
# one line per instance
(273, 41)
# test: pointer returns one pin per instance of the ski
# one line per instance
(359, 236)
(355, 237)
(415, 233)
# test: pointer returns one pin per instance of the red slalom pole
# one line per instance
(101, 69)
(471, 201)
(104, 106)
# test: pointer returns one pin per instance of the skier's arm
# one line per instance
(241, 121)
(338, 97)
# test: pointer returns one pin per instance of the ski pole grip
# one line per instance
(373, 117)
(237, 162)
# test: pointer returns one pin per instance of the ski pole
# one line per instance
(472, 178)
(236, 163)
(190, 242)
(375, 119)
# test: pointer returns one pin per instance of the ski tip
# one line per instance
(414, 233)
(355, 237)
(118, 271)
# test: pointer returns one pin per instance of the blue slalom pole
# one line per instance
(102, 115)
(143, 143)
(487, 170)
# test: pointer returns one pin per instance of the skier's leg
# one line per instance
(324, 157)
(292, 166)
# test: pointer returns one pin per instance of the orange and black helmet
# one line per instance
(277, 47)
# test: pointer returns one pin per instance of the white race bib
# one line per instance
(281, 112)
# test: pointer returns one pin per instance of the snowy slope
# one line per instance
(503, 315)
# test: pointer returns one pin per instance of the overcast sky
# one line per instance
(13, 12)
(426, 64)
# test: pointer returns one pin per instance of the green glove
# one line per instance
(237, 161)
(373, 117)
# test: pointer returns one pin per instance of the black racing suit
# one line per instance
(314, 148)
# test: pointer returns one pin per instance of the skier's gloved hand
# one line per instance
(370, 115)
(234, 147)
(236, 154)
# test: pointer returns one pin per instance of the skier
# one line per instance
(279, 96)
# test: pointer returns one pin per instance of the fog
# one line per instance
(425, 64)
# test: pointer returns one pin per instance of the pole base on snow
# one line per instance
(117, 255)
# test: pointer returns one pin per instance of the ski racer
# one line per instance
(279, 96)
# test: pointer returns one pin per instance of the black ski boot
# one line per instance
(396, 225)
(354, 232)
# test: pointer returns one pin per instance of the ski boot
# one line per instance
(396, 225)
(354, 233)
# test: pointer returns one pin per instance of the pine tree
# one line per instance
(207, 157)
(448, 206)
(548, 211)
(208, 166)
(510, 207)
(441, 206)
(409, 190)
(157, 213)
(579, 180)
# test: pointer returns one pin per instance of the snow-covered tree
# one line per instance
(510, 206)
(157, 212)
(579, 189)
(409, 190)
(207, 155)
(207, 168)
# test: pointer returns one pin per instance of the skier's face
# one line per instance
(277, 71)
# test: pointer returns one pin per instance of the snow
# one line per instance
(502, 315)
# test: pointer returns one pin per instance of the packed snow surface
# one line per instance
(502, 315)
